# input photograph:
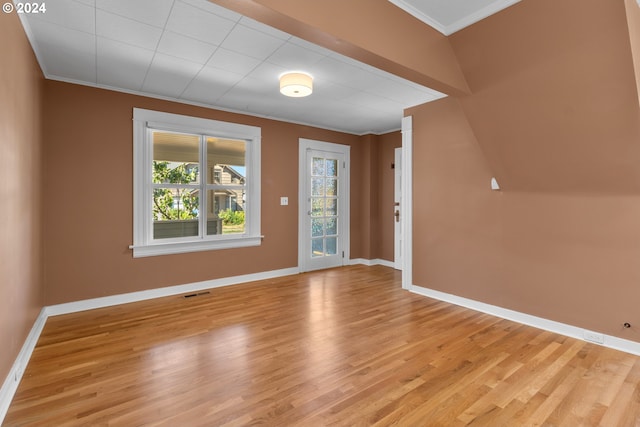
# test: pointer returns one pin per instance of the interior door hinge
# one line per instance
(342, 254)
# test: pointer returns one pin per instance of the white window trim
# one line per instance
(143, 243)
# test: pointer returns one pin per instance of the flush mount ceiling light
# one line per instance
(296, 84)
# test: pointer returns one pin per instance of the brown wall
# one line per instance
(554, 105)
(88, 198)
(377, 180)
(20, 189)
(554, 116)
(383, 243)
(633, 21)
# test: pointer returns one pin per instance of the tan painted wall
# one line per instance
(20, 188)
(633, 21)
(377, 180)
(88, 198)
(384, 238)
(554, 105)
(554, 116)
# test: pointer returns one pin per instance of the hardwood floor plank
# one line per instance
(341, 347)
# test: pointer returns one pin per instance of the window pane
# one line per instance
(317, 166)
(226, 211)
(175, 158)
(226, 161)
(175, 212)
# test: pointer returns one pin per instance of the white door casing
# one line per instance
(397, 209)
(407, 201)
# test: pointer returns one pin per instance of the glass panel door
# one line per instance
(324, 186)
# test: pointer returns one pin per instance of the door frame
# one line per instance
(344, 209)
(398, 209)
(407, 200)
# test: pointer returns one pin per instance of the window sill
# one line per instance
(203, 245)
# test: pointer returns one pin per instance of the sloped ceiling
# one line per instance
(449, 16)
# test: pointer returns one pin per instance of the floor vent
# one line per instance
(196, 295)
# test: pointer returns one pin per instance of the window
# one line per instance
(196, 184)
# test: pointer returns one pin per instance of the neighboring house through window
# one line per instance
(196, 184)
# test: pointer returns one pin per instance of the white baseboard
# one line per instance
(370, 262)
(610, 341)
(94, 303)
(10, 384)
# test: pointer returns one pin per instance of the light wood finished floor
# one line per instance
(342, 347)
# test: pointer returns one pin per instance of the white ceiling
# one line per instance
(197, 52)
(449, 16)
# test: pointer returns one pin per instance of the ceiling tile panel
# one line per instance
(294, 57)
(169, 76)
(273, 32)
(210, 84)
(69, 14)
(185, 47)
(364, 99)
(251, 42)
(122, 65)
(116, 27)
(268, 75)
(194, 22)
(152, 12)
(233, 61)
(213, 8)
(66, 53)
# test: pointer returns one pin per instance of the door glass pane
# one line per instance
(226, 161)
(317, 206)
(332, 167)
(332, 187)
(323, 206)
(317, 227)
(332, 244)
(175, 158)
(316, 247)
(332, 207)
(331, 227)
(317, 186)
(317, 168)
(175, 212)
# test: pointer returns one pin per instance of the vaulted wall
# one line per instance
(554, 116)
(554, 104)
(571, 258)
(633, 21)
